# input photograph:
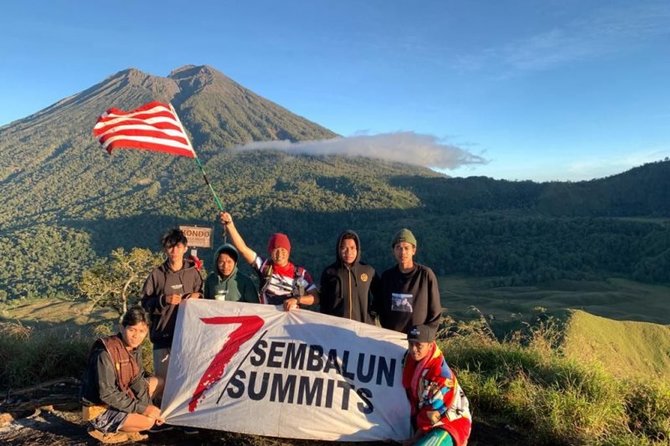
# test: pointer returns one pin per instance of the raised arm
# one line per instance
(235, 237)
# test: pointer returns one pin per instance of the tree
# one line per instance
(112, 282)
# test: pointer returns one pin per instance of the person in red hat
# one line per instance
(281, 282)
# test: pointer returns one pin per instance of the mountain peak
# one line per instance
(218, 113)
(163, 88)
(193, 70)
(132, 75)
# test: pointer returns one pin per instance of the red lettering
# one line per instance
(249, 326)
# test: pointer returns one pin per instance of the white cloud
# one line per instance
(404, 147)
(608, 30)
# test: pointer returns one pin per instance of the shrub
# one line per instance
(648, 409)
(29, 356)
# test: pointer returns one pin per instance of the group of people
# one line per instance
(117, 395)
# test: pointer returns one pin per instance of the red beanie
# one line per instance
(279, 240)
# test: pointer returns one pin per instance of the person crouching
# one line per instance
(116, 393)
(439, 408)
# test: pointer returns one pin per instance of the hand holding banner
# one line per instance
(310, 375)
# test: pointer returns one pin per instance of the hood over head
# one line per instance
(352, 235)
(226, 248)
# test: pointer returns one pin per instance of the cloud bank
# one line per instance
(403, 147)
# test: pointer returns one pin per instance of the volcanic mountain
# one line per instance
(69, 202)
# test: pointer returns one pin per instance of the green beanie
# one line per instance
(404, 235)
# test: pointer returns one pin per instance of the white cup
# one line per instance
(221, 295)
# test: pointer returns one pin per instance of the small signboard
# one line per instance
(198, 236)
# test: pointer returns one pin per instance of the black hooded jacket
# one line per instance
(347, 291)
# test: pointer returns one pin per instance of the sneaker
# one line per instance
(188, 430)
(108, 438)
(155, 429)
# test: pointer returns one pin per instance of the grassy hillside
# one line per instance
(612, 298)
(625, 348)
(56, 313)
(621, 324)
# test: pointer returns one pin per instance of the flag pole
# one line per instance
(204, 175)
(197, 161)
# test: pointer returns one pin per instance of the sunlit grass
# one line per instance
(554, 400)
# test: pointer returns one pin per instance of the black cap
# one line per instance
(421, 333)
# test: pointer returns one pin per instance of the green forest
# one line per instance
(304, 197)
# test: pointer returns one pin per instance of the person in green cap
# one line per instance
(409, 292)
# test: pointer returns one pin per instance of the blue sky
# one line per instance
(527, 89)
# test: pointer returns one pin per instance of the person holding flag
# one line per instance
(281, 282)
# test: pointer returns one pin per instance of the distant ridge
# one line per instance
(641, 191)
(626, 349)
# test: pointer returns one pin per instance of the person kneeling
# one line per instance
(116, 393)
(439, 409)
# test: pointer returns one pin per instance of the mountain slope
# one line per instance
(222, 113)
(62, 188)
(626, 348)
(50, 164)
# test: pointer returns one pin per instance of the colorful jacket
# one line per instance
(436, 399)
(348, 291)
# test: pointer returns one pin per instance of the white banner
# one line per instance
(257, 369)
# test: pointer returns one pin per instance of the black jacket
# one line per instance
(408, 299)
(348, 291)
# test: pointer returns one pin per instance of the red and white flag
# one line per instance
(153, 126)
